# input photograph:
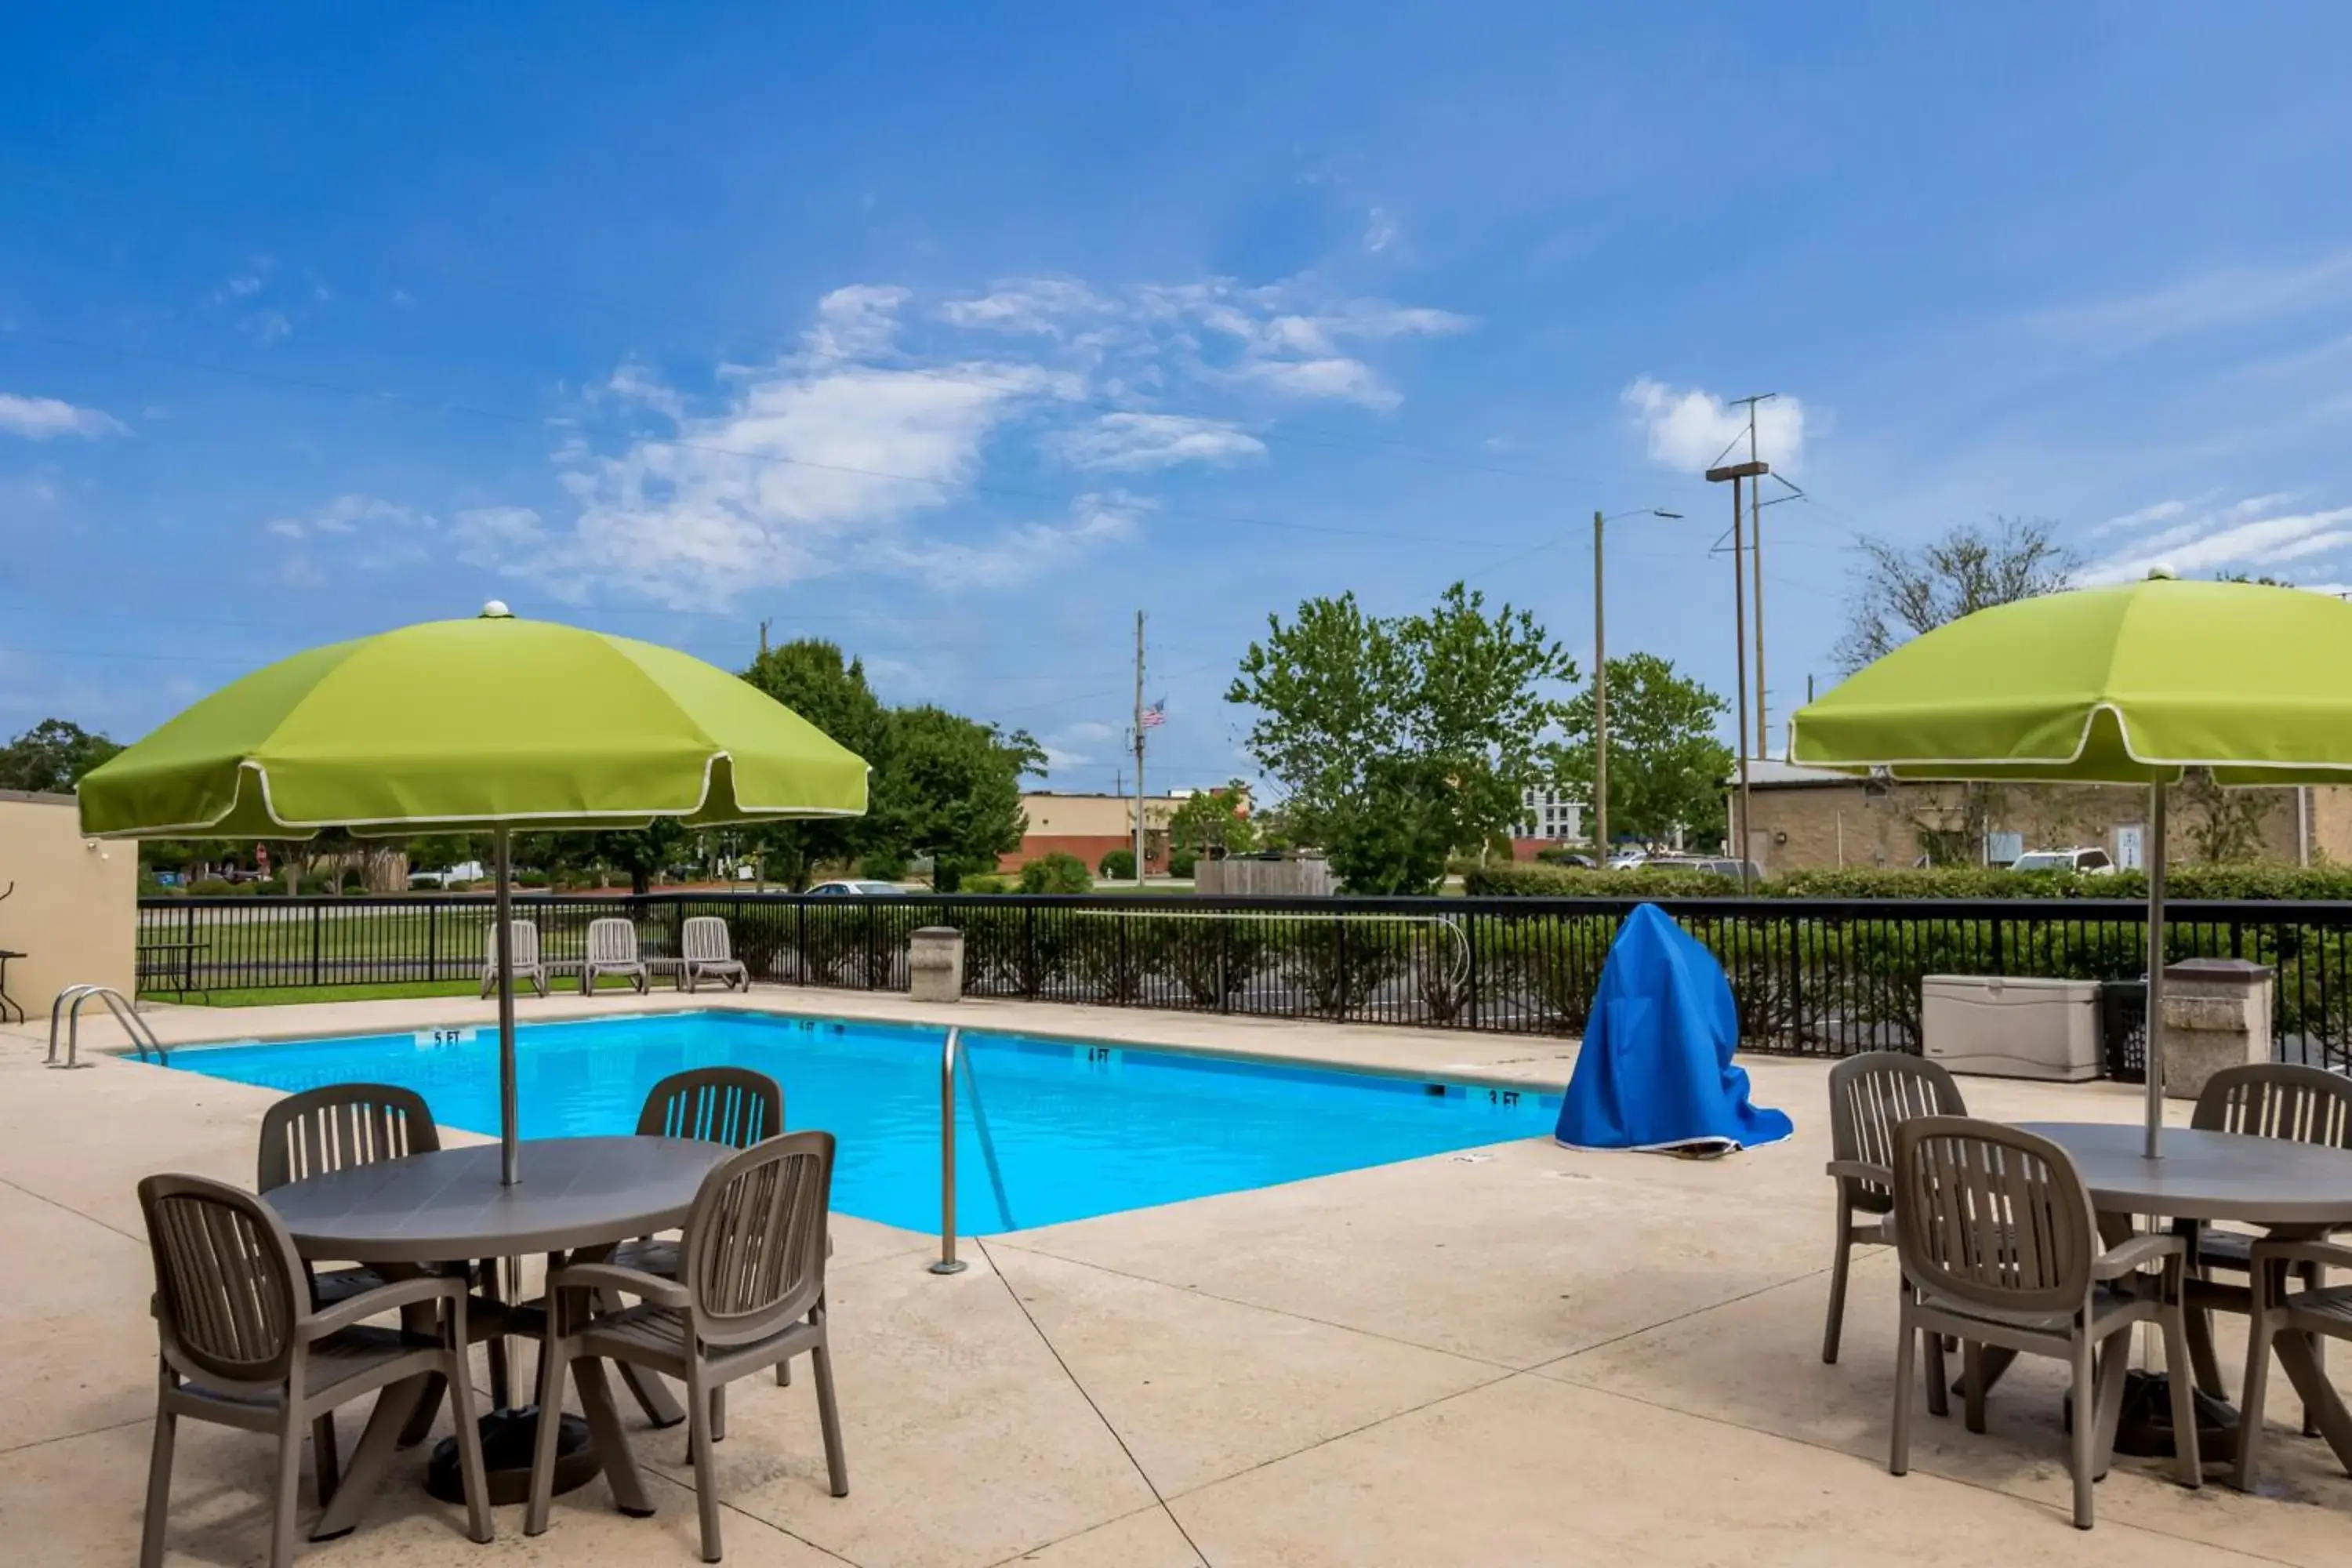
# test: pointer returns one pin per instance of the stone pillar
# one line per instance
(2217, 1014)
(935, 965)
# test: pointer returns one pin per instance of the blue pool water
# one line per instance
(1047, 1130)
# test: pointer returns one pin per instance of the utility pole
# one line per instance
(764, 638)
(1737, 473)
(1756, 564)
(1138, 749)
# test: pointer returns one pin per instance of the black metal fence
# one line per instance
(1824, 977)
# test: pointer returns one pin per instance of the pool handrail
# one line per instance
(66, 1007)
(949, 1263)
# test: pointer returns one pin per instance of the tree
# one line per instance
(950, 787)
(1390, 735)
(1666, 767)
(1900, 593)
(1213, 822)
(1058, 872)
(810, 677)
(2225, 825)
(51, 757)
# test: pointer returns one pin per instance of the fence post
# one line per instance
(1029, 951)
(432, 941)
(1470, 940)
(317, 931)
(800, 943)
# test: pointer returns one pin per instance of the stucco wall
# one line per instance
(75, 913)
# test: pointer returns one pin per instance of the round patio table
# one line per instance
(2203, 1175)
(448, 1205)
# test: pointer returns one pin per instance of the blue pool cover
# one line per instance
(1655, 1070)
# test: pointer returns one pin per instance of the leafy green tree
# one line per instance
(1206, 822)
(51, 757)
(1116, 866)
(1390, 735)
(1665, 766)
(812, 678)
(950, 787)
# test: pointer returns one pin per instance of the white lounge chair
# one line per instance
(527, 963)
(704, 952)
(613, 949)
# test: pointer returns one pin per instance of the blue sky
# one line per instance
(958, 333)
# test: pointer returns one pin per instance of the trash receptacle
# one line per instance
(935, 965)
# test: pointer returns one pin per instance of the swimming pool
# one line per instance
(1047, 1130)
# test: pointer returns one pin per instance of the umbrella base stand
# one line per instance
(2145, 1430)
(508, 1438)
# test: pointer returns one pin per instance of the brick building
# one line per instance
(1811, 819)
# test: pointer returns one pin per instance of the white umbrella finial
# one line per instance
(496, 610)
(2162, 571)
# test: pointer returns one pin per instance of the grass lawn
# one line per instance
(281, 995)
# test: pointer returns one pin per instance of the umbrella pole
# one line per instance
(2153, 1051)
(509, 1153)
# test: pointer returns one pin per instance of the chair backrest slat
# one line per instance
(1988, 1214)
(226, 1279)
(339, 1126)
(1870, 1096)
(2278, 1100)
(753, 1251)
(612, 940)
(704, 940)
(718, 1105)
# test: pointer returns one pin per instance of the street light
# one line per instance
(1601, 686)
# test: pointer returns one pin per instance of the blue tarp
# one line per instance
(1655, 1070)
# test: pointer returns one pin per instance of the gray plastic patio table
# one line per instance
(577, 1195)
(2204, 1175)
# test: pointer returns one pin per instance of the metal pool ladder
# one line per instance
(951, 1051)
(67, 1009)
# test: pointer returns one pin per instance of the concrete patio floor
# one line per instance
(1525, 1356)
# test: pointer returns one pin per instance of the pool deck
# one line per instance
(1525, 1355)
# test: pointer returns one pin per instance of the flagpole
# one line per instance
(1138, 751)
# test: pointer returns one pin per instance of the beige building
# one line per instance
(1809, 820)
(73, 913)
(1090, 825)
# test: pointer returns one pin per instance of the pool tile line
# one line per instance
(1116, 1435)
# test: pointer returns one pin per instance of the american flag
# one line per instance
(1156, 715)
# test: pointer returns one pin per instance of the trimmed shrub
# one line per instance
(212, 888)
(1059, 872)
(1117, 866)
(985, 882)
(1183, 862)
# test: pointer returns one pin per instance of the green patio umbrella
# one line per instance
(490, 725)
(2133, 684)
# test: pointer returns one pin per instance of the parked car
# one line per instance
(2089, 861)
(852, 888)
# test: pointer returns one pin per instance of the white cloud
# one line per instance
(267, 327)
(2208, 301)
(350, 514)
(45, 418)
(1018, 554)
(1033, 306)
(1132, 442)
(1380, 230)
(2228, 538)
(1690, 430)
(246, 284)
(855, 322)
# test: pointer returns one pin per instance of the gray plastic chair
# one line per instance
(2000, 1245)
(704, 952)
(2315, 1310)
(242, 1345)
(734, 1106)
(2259, 1100)
(1870, 1095)
(750, 1295)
